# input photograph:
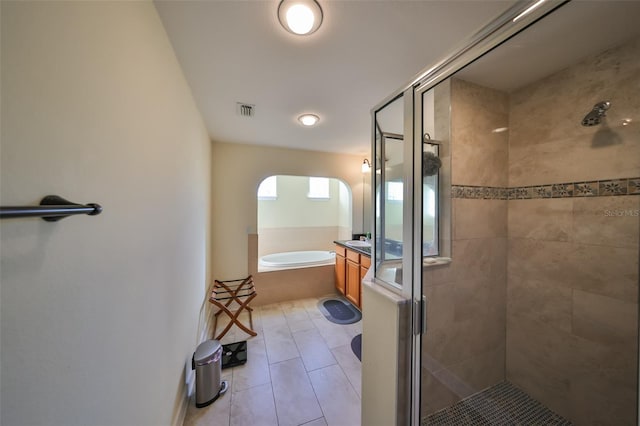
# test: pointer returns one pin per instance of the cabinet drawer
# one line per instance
(340, 251)
(353, 256)
(365, 261)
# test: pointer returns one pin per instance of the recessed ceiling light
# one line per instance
(308, 119)
(300, 17)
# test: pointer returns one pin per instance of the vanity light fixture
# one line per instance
(366, 166)
(301, 17)
(308, 119)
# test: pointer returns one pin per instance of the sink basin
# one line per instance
(358, 243)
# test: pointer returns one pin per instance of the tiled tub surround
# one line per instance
(289, 284)
(543, 286)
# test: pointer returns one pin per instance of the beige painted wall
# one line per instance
(99, 314)
(293, 208)
(295, 222)
(238, 170)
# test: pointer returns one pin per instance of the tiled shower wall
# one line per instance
(464, 348)
(543, 285)
(573, 260)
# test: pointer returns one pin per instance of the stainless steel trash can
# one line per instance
(207, 361)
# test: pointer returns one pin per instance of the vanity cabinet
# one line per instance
(351, 267)
(353, 278)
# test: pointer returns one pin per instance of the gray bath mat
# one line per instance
(356, 346)
(339, 311)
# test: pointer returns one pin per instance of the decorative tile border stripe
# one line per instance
(601, 188)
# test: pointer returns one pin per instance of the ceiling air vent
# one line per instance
(245, 110)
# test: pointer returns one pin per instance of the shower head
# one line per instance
(595, 115)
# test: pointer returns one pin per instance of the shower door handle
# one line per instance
(420, 316)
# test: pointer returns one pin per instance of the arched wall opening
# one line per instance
(302, 213)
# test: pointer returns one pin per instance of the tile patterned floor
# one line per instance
(300, 371)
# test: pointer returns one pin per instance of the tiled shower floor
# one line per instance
(502, 404)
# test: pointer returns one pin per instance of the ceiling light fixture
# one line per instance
(300, 17)
(308, 119)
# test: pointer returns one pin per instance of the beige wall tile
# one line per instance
(463, 340)
(537, 363)
(479, 218)
(542, 260)
(603, 221)
(479, 156)
(605, 320)
(478, 298)
(605, 155)
(539, 300)
(478, 165)
(539, 149)
(608, 271)
(541, 219)
(540, 380)
(483, 370)
(441, 303)
(435, 394)
(603, 382)
(477, 258)
(604, 398)
(292, 284)
(560, 101)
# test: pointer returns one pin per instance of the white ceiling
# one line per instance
(576, 30)
(236, 51)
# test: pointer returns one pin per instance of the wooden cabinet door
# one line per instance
(353, 282)
(341, 273)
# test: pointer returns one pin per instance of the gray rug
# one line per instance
(339, 310)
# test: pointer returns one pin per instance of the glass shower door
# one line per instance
(535, 319)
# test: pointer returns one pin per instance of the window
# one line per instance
(318, 188)
(429, 201)
(268, 189)
(394, 191)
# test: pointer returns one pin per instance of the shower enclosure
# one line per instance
(507, 190)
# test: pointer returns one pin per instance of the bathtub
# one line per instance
(296, 259)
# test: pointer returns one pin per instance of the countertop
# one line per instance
(362, 250)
